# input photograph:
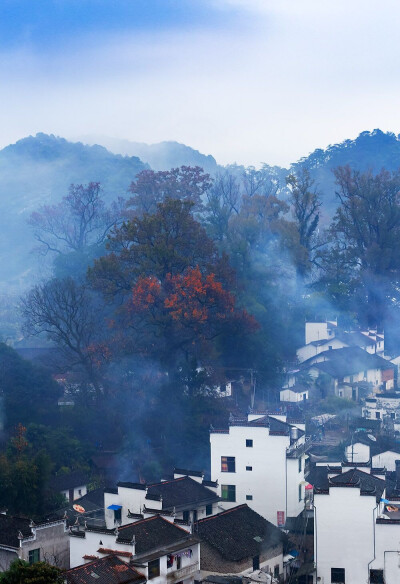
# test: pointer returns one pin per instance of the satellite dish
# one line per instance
(371, 437)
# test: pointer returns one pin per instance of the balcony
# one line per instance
(178, 575)
(297, 450)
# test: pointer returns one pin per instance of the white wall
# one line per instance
(387, 540)
(293, 396)
(270, 476)
(344, 533)
(316, 331)
(357, 452)
(386, 459)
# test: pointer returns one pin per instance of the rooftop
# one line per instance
(180, 492)
(109, 570)
(153, 533)
(239, 533)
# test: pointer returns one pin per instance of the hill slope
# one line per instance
(161, 156)
(39, 169)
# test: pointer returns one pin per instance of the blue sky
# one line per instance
(249, 81)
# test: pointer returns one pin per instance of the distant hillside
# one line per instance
(39, 169)
(161, 156)
(370, 150)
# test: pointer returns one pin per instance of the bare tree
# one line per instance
(79, 220)
(65, 312)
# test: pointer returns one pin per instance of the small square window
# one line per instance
(34, 556)
(249, 497)
(249, 468)
(249, 443)
(153, 569)
(338, 576)
(228, 493)
(228, 464)
(376, 577)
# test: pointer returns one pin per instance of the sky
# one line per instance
(248, 81)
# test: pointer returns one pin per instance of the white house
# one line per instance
(386, 458)
(164, 552)
(21, 538)
(295, 394)
(350, 544)
(259, 460)
(384, 406)
(72, 485)
(323, 336)
(187, 497)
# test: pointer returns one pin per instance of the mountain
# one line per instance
(161, 156)
(39, 169)
(370, 150)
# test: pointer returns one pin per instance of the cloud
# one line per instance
(258, 80)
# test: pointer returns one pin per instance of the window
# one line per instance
(178, 562)
(185, 516)
(256, 563)
(228, 493)
(153, 569)
(337, 576)
(249, 497)
(34, 556)
(227, 464)
(249, 468)
(276, 571)
(393, 415)
(194, 512)
(300, 493)
(117, 516)
(209, 510)
(249, 443)
(300, 464)
(377, 415)
(80, 492)
(376, 577)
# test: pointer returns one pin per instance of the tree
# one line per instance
(306, 205)
(167, 241)
(223, 202)
(152, 188)
(38, 573)
(67, 313)
(80, 220)
(367, 229)
(27, 392)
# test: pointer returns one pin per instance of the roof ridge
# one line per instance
(225, 512)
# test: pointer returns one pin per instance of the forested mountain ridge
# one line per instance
(369, 151)
(39, 169)
(160, 156)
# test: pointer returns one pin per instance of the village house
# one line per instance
(161, 550)
(22, 539)
(239, 541)
(324, 336)
(72, 485)
(384, 407)
(347, 366)
(260, 460)
(187, 497)
(296, 394)
(104, 571)
(357, 529)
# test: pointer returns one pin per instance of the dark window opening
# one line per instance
(209, 510)
(153, 569)
(228, 464)
(249, 468)
(276, 571)
(185, 516)
(34, 556)
(338, 576)
(256, 563)
(117, 516)
(194, 514)
(249, 443)
(249, 497)
(228, 493)
(178, 563)
(376, 577)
